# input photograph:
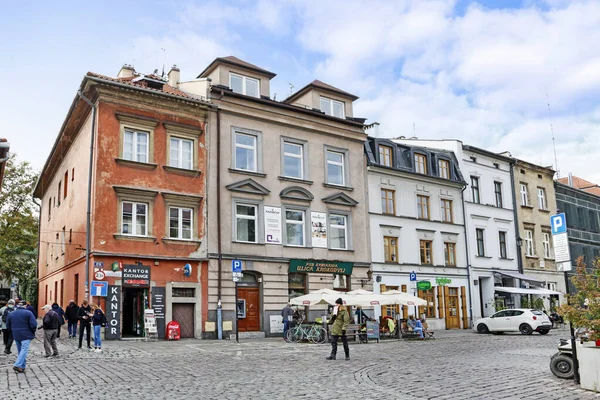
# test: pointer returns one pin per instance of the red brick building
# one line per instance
(147, 203)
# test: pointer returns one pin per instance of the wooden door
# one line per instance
(184, 314)
(252, 320)
(452, 308)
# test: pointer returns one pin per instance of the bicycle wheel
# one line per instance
(318, 335)
(294, 335)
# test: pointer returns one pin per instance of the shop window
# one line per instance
(429, 309)
(296, 285)
(341, 283)
(183, 292)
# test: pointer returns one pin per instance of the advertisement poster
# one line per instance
(273, 225)
(319, 229)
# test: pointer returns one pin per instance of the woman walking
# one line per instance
(99, 321)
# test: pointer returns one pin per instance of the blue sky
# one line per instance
(477, 71)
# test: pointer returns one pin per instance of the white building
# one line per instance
(416, 220)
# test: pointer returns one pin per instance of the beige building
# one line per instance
(286, 195)
(535, 203)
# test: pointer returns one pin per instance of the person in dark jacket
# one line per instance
(84, 315)
(61, 317)
(51, 325)
(30, 308)
(22, 325)
(7, 336)
(71, 313)
(98, 320)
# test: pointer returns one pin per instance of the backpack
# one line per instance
(7, 311)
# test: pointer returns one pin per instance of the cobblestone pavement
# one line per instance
(458, 365)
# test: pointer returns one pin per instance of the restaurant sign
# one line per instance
(321, 267)
(423, 285)
(443, 281)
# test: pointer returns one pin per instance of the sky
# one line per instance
(504, 75)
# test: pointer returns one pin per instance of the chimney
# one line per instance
(174, 76)
(126, 71)
(570, 179)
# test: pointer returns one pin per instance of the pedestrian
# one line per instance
(339, 321)
(415, 325)
(286, 313)
(22, 325)
(61, 317)
(84, 316)
(7, 338)
(72, 311)
(99, 321)
(30, 308)
(51, 325)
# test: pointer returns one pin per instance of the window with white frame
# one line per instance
(336, 168)
(293, 160)
(181, 153)
(479, 236)
(246, 222)
(524, 194)
(332, 107)
(338, 228)
(246, 146)
(546, 243)
(134, 218)
(529, 244)
(475, 189)
(180, 223)
(244, 85)
(295, 222)
(542, 199)
(135, 145)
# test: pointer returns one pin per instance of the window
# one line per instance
(49, 209)
(498, 193)
(529, 249)
(180, 222)
(294, 227)
(244, 85)
(546, 243)
(429, 309)
(246, 222)
(450, 254)
(385, 156)
(341, 283)
(59, 192)
(183, 292)
(444, 169)
(426, 252)
(388, 201)
(245, 152)
(76, 288)
(524, 195)
(66, 183)
(72, 174)
(335, 168)
(296, 285)
(502, 241)
(134, 218)
(63, 240)
(480, 242)
(332, 107)
(447, 210)
(390, 249)
(542, 199)
(420, 164)
(293, 160)
(181, 153)
(135, 145)
(338, 228)
(475, 189)
(422, 207)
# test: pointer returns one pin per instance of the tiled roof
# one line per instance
(235, 61)
(582, 184)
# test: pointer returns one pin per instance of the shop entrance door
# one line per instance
(250, 298)
(452, 307)
(184, 314)
(134, 302)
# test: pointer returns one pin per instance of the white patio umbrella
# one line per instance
(313, 298)
(367, 299)
(404, 299)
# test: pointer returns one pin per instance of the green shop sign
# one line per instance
(321, 267)
(423, 285)
(443, 281)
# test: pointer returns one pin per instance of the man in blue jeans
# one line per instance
(415, 325)
(285, 314)
(22, 325)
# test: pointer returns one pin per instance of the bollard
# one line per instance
(220, 320)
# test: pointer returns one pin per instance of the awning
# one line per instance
(539, 292)
(517, 275)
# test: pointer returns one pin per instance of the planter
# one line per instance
(589, 365)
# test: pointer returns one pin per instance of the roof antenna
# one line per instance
(553, 140)
(164, 58)
(291, 88)
(414, 130)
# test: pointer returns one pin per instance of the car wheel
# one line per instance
(561, 366)
(544, 332)
(482, 328)
(525, 329)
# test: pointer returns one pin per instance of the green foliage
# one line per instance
(525, 302)
(19, 227)
(538, 304)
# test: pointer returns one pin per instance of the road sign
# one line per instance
(558, 224)
(236, 265)
(99, 288)
(98, 264)
(99, 275)
(413, 277)
(561, 248)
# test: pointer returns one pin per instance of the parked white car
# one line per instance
(521, 320)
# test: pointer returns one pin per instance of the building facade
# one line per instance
(417, 229)
(147, 215)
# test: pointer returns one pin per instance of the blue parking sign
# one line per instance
(236, 265)
(413, 276)
(558, 223)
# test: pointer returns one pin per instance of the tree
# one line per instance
(583, 310)
(19, 228)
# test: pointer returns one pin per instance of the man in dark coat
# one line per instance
(61, 317)
(51, 325)
(71, 313)
(22, 325)
(85, 318)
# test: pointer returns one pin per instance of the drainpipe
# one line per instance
(514, 196)
(219, 250)
(462, 199)
(89, 196)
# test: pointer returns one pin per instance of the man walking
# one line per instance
(22, 325)
(51, 325)
(61, 317)
(72, 311)
(7, 338)
(84, 316)
(341, 319)
(286, 313)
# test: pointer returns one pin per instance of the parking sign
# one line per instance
(558, 223)
(236, 265)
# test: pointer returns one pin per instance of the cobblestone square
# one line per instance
(457, 365)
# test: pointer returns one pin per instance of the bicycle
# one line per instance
(314, 334)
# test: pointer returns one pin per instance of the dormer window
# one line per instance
(420, 164)
(385, 156)
(332, 107)
(444, 169)
(244, 85)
